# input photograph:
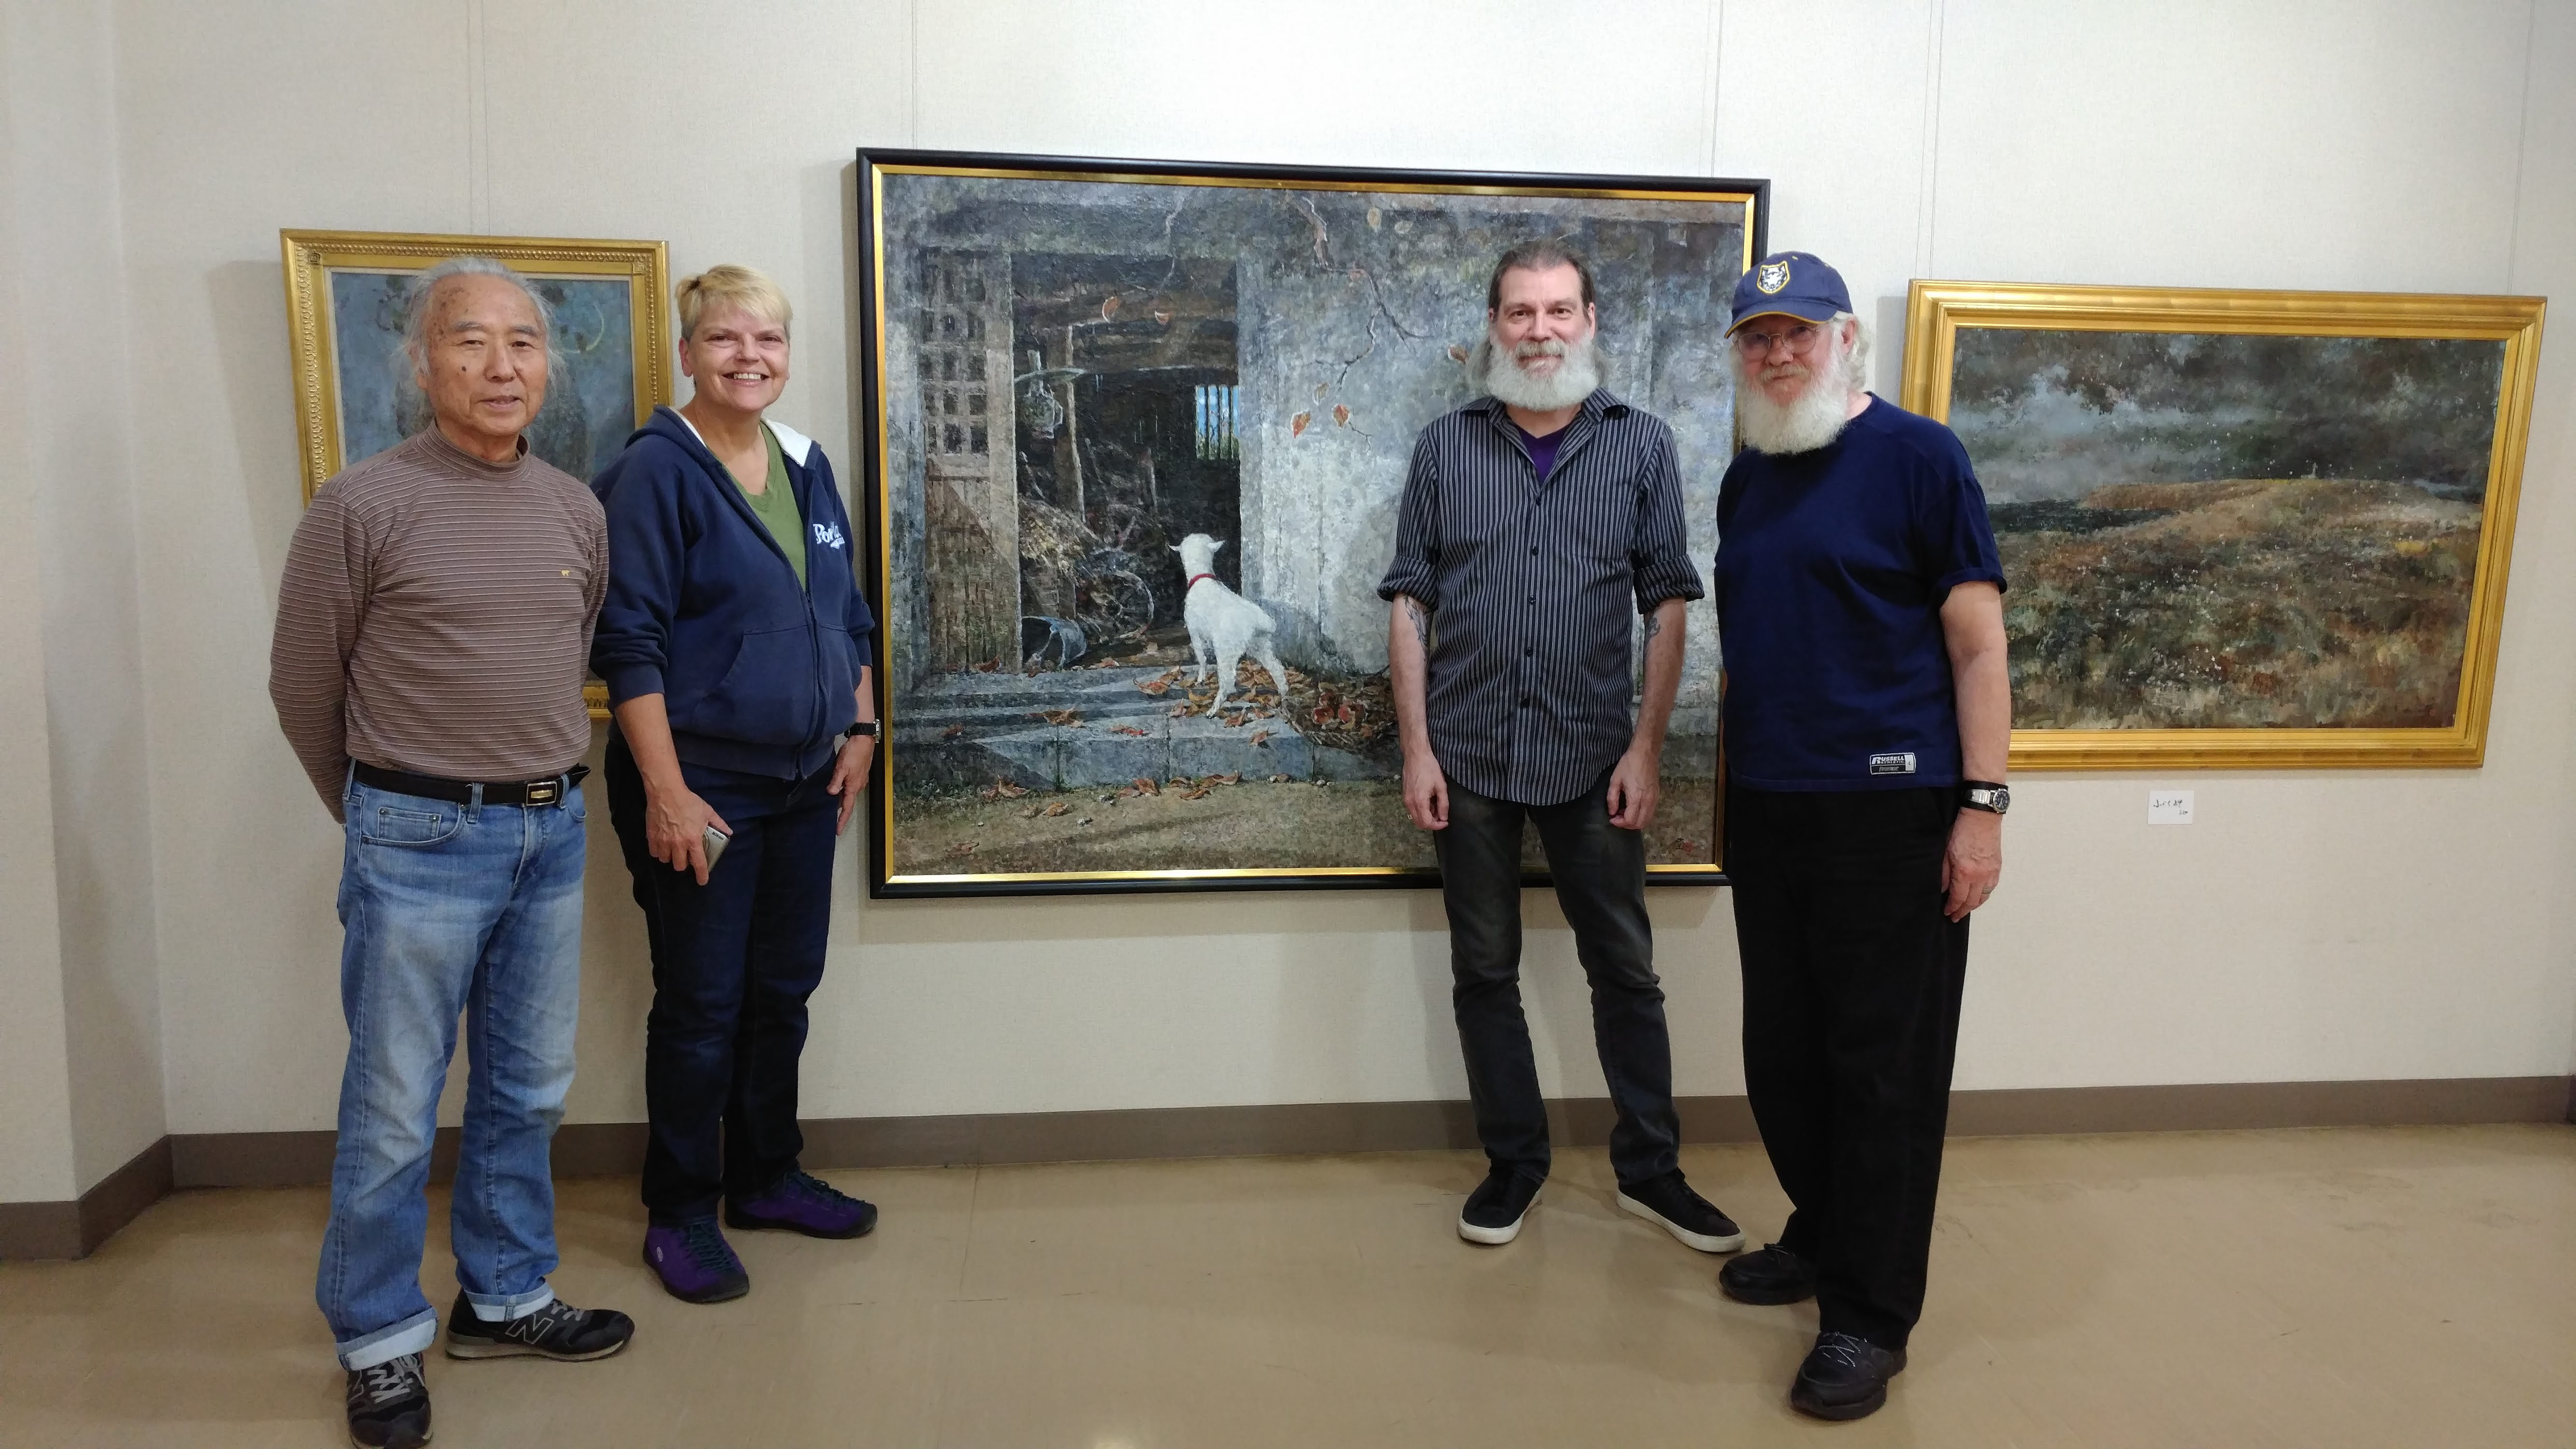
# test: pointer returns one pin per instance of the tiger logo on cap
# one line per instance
(1771, 276)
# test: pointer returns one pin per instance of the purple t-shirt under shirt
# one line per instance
(1542, 451)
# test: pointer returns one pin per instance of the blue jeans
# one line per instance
(449, 909)
(733, 963)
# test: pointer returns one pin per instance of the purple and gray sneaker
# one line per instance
(694, 1261)
(803, 1203)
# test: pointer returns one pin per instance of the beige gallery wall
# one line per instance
(2311, 926)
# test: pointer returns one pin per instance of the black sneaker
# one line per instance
(1844, 1377)
(1774, 1275)
(1669, 1202)
(389, 1405)
(557, 1331)
(1494, 1210)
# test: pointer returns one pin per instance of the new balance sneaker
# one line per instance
(803, 1203)
(389, 1405)
(557, 1331)
(694, 1261)
(1668, 1202)
(1845, 1377)
(1495, 1209)
(1771, 1276)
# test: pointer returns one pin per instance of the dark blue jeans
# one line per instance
(733, 963)
(1600, 873)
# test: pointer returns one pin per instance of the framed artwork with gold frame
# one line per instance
(354, 394)
(1090, 387)
(2241, 530)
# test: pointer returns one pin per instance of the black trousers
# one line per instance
(1851, 1018)
(1600, 873)
(733, 963)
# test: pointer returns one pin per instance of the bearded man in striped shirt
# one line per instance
(1538, 522)
(432, 634)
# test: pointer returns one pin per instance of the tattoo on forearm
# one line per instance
(1421, 621)
(1654, 625)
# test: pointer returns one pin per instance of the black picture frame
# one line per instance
(979, 255)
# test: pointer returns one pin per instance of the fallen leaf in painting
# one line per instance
(968, 848)
(1261, 738)
(1457, 353)
(1198, 794)
(1297, 424)
(1322, 388)
(1062, 717)
(1108, 308)
(1235, 721)
(1341, 416)
(1162, 318)
(1130, 793)
(1374, 217)
(1130, 730)
(952, 732)
(1347, 715)
(1059, 807)
(988, 666)
(1178, 711)
(1147, 787)
(1234, 779)
(1155, 686)
(1278, 779)
(1029, 814)
(1179, 782)
(1323, 715)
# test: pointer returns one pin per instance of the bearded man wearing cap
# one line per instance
(1867, 717)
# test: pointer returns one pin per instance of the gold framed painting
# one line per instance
(354, 395)
(2242, 530)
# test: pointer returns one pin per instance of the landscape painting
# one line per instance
(2240, 528)
(1135, 438)
(354, 394)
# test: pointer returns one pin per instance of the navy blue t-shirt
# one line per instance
(1542, 450)
(1831, 570)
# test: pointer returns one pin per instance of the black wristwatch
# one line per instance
(867, 727)
(1984, 795)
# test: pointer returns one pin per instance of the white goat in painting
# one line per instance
(1224, 625)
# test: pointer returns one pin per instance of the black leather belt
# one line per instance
(548, 791)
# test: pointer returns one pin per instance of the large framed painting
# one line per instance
(1087, 384)
(2241, 529)
(354, 395)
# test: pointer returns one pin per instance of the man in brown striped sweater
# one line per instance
(432, 633)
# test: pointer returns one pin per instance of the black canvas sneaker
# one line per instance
(1845, 1377)
(1668, 1202)
(557, 1331)
(1494, 1210)
(389, 1405)
(1774, 1275)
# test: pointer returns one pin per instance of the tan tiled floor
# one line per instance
(2386, 1287)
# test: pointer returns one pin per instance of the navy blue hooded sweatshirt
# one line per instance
(759, 675)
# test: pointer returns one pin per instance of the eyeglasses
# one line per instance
(1801, 340)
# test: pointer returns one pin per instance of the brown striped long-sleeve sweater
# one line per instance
(435, 617)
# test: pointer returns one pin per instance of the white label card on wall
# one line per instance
(2168, 807)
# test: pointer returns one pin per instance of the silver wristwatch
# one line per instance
(1985, 795)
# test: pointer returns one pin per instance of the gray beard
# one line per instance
(1577, 376)
(1813, 420)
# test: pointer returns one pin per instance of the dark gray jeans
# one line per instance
(1600, 873)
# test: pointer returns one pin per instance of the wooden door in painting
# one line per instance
(970, 487)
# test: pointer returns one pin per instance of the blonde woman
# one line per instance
(736, 649)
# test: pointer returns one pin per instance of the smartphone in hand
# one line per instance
(716, 841)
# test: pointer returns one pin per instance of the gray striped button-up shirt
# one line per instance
(1531, 583)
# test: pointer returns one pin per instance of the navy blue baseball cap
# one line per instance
(1790, 284)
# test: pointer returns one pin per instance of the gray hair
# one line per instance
(1856, 359)
(425, 287)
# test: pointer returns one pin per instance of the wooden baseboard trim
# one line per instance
(590, 1149)
(75, 1229)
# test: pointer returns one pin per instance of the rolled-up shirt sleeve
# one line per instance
(1415, 571)
(1661, 554)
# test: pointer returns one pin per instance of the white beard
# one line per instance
(1813, 419)
(1576, 375)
